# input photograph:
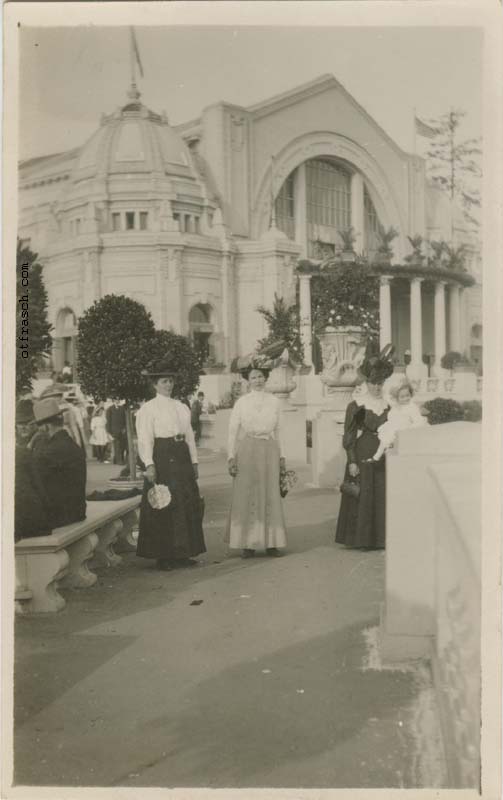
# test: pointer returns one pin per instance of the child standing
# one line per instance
(404, 414)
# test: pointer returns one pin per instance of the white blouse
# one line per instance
(255, 414)
(160, 418)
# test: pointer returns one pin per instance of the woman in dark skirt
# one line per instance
(361, 522)
(172, 535)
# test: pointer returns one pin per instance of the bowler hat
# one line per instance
(47, 409)
(160, 369)
(24, 412)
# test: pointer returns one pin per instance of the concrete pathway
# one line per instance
(229, 674)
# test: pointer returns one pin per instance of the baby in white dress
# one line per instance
(404, 414)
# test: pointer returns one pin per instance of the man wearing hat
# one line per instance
(61, 464)
(116, 427)
(70, 422)
(31, 504)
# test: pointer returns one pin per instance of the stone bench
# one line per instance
(46, 563)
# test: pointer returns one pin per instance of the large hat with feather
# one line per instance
(162, 368)
(377, 368)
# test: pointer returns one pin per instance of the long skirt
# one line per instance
(174, 532)
(256, 519)
(361, 521)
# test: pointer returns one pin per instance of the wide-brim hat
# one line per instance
(245, 364)
(24, 412)
(47, 409)
(377, 368)
(54, 390)
(160, 369)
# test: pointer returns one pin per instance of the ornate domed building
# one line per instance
(201, 225)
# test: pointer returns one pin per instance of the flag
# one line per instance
(425, 130)
(135, 51)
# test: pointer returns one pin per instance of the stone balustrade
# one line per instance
(456, 649)
(44, 564)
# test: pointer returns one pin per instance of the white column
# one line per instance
(416, 325)
(440, 330)
(300, 201)
(385, 310)
(305, 317)
(454, 318)
(357, 211)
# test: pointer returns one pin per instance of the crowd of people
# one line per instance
(52, 434)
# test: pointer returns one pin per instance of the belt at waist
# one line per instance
(259, 436)
(179, 437)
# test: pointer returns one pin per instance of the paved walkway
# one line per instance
(271, 679)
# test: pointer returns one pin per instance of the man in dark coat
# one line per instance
(31, 504)
(116, 427)
(61, 464)
(195, 415)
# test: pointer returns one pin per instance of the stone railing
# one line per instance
(44, 564)
(456, 648)
(432, 595)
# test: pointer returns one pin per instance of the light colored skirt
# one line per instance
(256, 519)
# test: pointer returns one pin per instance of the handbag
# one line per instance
(286, 481)
(159, 496)
(350, 487)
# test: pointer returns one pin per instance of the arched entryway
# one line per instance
(202, 330)
(64, 350)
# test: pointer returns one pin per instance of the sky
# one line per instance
(70, 76)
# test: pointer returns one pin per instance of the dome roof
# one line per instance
(134, 140)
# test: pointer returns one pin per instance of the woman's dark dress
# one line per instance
(174, 532)
(361, 521)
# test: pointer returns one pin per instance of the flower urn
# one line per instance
(343, 351)
(281, 382)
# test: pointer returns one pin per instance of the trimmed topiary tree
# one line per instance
(115, 341)
(33, 331)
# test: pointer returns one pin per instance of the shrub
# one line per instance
(472, 410)
(442, 409)
(450, 359)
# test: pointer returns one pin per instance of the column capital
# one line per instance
(416, 279)
(305, 276)
(441, 282)
(385, 280)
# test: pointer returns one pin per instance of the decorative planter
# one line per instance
(432, 384)
(281, 382)
(342, 352)
(348, 256)
(449, 384)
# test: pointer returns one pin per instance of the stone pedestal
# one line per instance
(328, 454)
(293, 429)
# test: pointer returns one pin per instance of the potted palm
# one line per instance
(348, 237)
(384, 250)
(416, 258)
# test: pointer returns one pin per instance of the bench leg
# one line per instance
(126, 542)
(105, 548)
(42, 572)
(79, 575)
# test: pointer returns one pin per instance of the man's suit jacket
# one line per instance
(61, 465)
(116, 420)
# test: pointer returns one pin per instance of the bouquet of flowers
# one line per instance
(287, 481)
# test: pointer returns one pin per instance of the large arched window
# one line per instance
(328, 201)
(371, 223)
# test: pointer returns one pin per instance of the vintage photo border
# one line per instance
(483, 14)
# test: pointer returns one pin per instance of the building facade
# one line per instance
(205, 221)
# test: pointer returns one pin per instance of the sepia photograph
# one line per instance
(252, 399)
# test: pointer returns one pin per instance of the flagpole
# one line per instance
(132, 57)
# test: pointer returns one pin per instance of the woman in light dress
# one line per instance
(99, 436)
(256, 520)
